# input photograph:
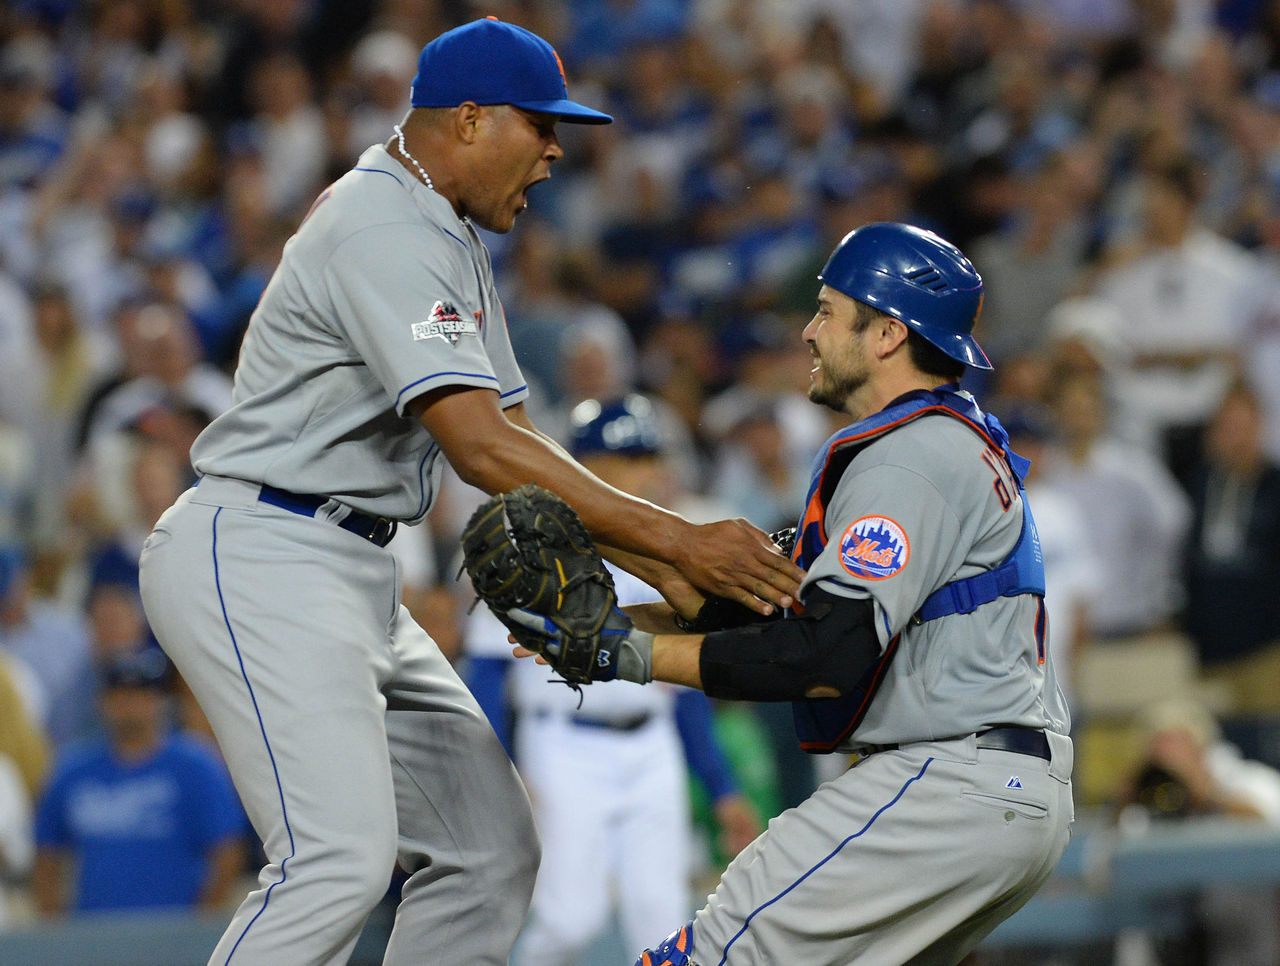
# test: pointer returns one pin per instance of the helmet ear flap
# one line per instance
(917, 277)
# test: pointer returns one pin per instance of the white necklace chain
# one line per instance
(412, 160)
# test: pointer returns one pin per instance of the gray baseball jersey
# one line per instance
(382, 295)
(351, 740)
(944, 826)
(936, 521)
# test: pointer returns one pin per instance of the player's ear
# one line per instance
(891, 335)
(466, 121)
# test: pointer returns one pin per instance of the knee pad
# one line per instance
(675, 950)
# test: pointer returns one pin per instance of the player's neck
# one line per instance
(875, 396)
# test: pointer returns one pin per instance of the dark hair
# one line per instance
(928, 358)
(925, 356)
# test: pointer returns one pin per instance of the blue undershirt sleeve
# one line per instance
(707, 761)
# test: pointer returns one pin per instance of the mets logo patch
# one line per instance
(444, 322)
(874, 548)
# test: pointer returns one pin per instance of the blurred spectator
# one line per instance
(1132, 504)
(1085, 334)
(50, 642)
(18, 387)
(1032, 262)
(24, 755)
(65, 368)
(1187, 771)
(1182, 299)
(286, 132)
(1261, 339)
(383, 64)
(144, 819)
(162, 388)
(254, 32)
(89, 222)
(1232, 561)
(33, 129)
(605, 30)
(754, 474)
(17, 480)
(1073, 573)
(130, 499)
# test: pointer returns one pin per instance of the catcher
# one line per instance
(918, 644)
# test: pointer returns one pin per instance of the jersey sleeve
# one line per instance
(892, 536)
(411, 309)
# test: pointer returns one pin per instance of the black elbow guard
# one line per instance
(829, 646)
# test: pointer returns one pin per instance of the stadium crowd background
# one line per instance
(1112, 167)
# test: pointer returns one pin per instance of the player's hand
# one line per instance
(521, 651)
(734, 559)
(684, 598)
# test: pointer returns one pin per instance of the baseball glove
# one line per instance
(718, 613)
(533, 563)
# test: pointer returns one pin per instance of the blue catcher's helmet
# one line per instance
(917, 277)
(628, 426)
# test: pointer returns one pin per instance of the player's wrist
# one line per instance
(635, 657)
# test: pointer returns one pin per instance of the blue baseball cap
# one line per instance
(628, 426)
(492, 62)
(147, 668)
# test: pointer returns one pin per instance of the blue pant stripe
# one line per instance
(884, 808)
(266, 741)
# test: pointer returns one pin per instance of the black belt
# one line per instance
(1024, 741)
(1015, 738)
(633, 723)
(377, 530)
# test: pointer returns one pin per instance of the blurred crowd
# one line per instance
(1112, 168)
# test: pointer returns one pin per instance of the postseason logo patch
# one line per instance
(874, 548)
(444, 322)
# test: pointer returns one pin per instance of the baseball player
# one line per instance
(608, 779)
(378, 347)
(919, 646)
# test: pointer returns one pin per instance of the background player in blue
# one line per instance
(607, 769)
(919, 647)
(378, 347)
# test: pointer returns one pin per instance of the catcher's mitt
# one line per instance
(718, 613)
(532, 561)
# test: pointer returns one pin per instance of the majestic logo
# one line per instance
(1014, 782)
(874, 548)
(444, 322)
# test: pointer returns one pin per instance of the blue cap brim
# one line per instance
(569, 111)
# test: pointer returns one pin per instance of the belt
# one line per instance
(1015, 738)
(632, 723)
(377, 530)
(1023, 741)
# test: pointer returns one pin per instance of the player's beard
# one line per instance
(837, 380)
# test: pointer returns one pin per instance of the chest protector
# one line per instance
(822, 724)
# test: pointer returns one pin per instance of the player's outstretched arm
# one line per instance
(498, 450)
